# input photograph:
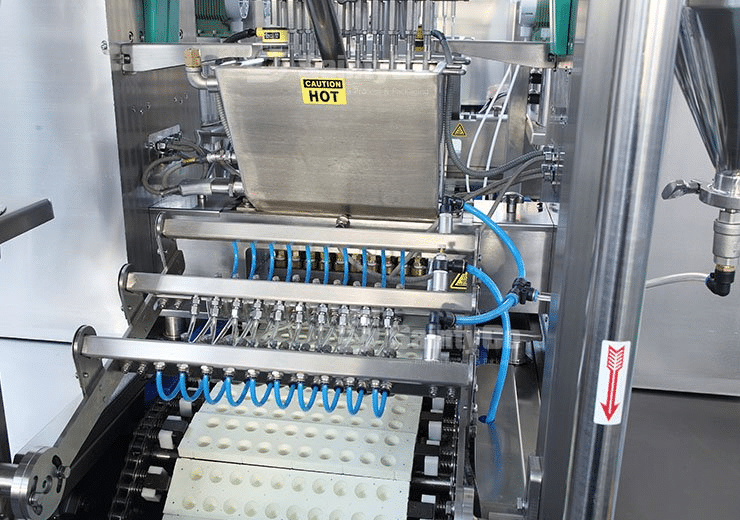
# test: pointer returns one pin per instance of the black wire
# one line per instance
(246, 33)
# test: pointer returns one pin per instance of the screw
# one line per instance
(104, 46)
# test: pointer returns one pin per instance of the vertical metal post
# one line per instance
(623, 72)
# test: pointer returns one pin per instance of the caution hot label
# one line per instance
(324, 91)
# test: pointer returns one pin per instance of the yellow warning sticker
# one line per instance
(459, 131)
(272, 35)
(323, 91)
(460, 282)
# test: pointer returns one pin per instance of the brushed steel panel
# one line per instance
(59, 142)
(375, 156)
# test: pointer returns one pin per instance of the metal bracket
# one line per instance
(87, 368)
(130, 302)
(528, 54)
(531, 505)
(679, 188)
(38, 484)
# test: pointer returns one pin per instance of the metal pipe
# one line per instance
(7, 472)
(616, 160)
(328, 35)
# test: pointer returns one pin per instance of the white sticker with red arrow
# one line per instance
(612, 383)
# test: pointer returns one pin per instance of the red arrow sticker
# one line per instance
(612, 382)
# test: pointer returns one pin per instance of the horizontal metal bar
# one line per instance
(215, 229)
(17, 222)
(185, 286)
(528, 54)
(141, 57)
(266, 360)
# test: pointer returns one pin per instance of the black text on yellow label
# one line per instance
(323, 91)
(460, 282)
(273, 35)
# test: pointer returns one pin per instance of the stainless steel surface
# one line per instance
(184, 286)
(59, 143)
(267, 360)
(681, 458)
(502, 448)
(325, 158)
(528, 54)
(24, 219)
(234, 228)
(631, 47)
(142, 57)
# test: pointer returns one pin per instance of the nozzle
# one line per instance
(720, 281)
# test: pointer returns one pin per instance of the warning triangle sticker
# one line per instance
(460, 283)
(459, 131)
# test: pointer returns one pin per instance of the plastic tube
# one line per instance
(353, 408)
(504, 106)
(379, 408)
(301, 398)
(271, 271)
(503, 306)
(184, 389)
(402, 272)
(205, 385)
(235, 266)
(289, 257)
(503, 367)
(383, 274)
(364, 267)
(279, 400)
(345, 280)
(326, 265)
(160, 388)
(230, 395)
(253, 391)
(325, 395)
(501, 234)
(676, 278)
(308, 263)
(253, 267)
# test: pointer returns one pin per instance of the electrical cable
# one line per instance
(289, 258)
(379, 408)
(504, 106)
(160, 388)
(309, 261)
(253, 391)
(148, 171)
(235, 266)
(526, 175)
(278, 400)
(271, 270)
(325, 396)
(354, 408)
(253, 267)
(302, 400)
(246, 33)
(676, 278)
(345, 255)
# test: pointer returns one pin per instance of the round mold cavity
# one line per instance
(356, 421)
(380, 517)
(221, 408)
(388, 460)
(372, 438)
(341, 405)
(319, 486)
(213, 422)
(304, 452)
(210, 504)
(337, 514)
(241, 410)
(392, 440)
(244, 445)
(350, 437)
(236, 478)
(317, 417)
(298, 484)
(346, 456)
(340, 488)
(336, 419)
(383, 493)
(264, 447)
(252, 426)
(196, 473)
(188, 502)
(216, 475)
(316, 514)
(310, 432)
(294, 513)
(223, 443)
(204, 440)
(330, 434)
(361, 490)
(272, 510)
(398, 410)
(400, 397)
(290, 430)
(359, 516)
(229, 507)
(277, 482)
(259, 412)
(325, 454)
(271, 427)
(250, 509)
(232, 424)
(395, 425)
(297, 416)
(284, 449)
(278, 414)
(367, 458)
(376, 423)
(256, 480)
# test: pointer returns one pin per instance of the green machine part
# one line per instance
(161, 21)
(211, 19)
(555, 22)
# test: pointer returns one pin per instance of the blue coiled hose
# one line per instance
(278, 400)
(501, 234)
(308, 263)
(160, 388)
(383, 274)
(235, 266)
(205, 385)
(379, 407)
(364, 267)
(325, 395)
(345, 255)
(253, 391)
(230, 395)
(271, 271)
(402, 271)
(301, 399)
(326, 265)
(289, 255)
(253, 267)
(183, 385)
(353, 408)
